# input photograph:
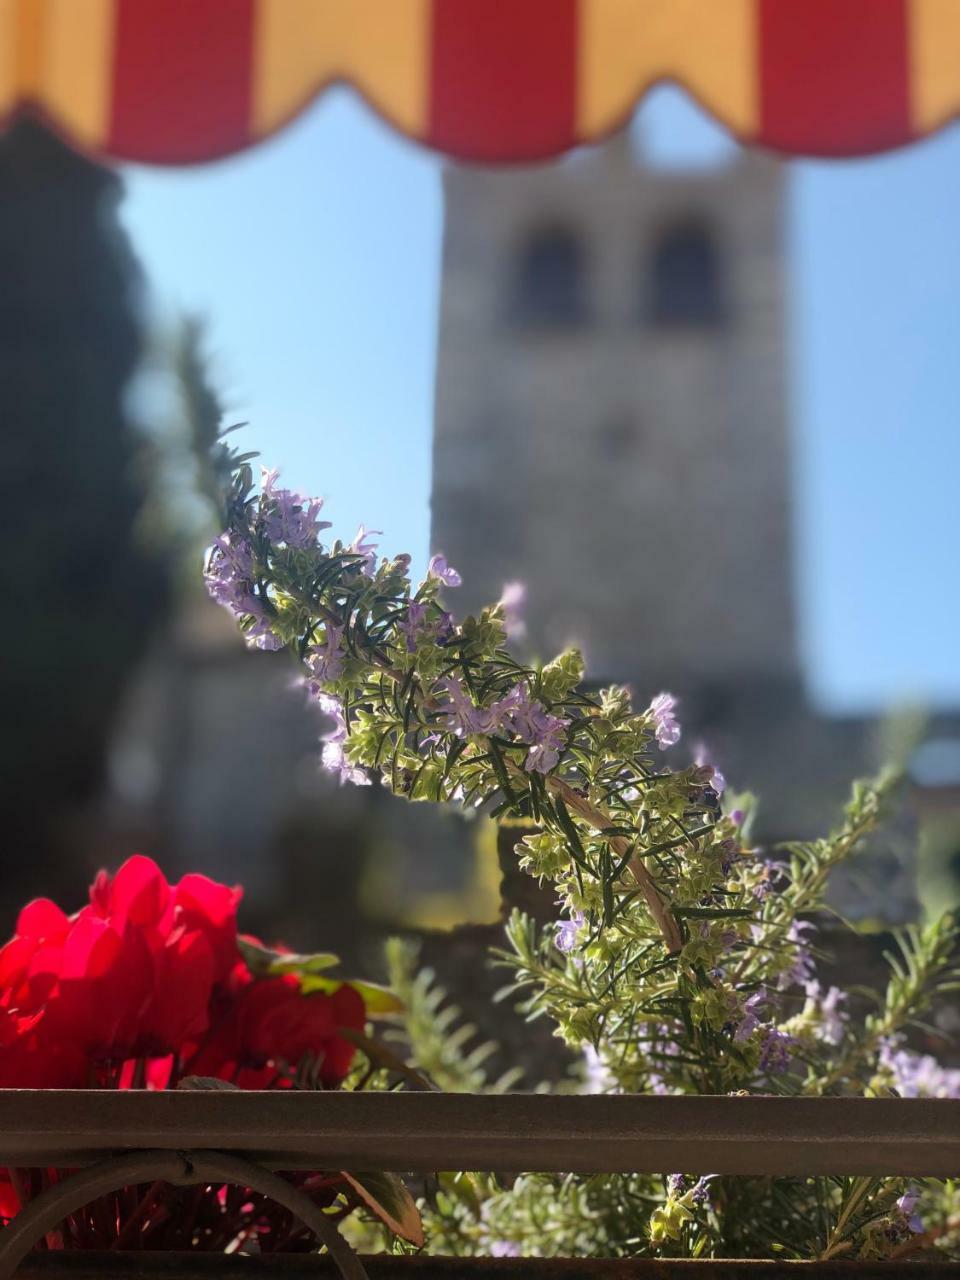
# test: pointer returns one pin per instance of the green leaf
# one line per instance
(390, 1200)
(379, 1055)
(265, 962)
(379, 1000)
(461, 1187)
(572, 834)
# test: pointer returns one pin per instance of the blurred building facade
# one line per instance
(612, 428)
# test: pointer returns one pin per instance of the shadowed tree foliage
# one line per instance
(81, 594)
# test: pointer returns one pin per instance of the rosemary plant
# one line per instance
(684, 961)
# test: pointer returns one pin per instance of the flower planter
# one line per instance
(186, 1266)
(113, 1136)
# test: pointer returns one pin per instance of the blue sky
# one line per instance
(315, 260)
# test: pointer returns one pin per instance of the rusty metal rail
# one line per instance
(242, 1137)
(199, 1266)
(424, 1132)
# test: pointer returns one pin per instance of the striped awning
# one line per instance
(177, 81)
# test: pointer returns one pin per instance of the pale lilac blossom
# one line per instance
(512, 601)
(533, 724)
(775, 1049)
(800, 970)
(334, 756)
(918, 1075)
(261, 635)
(703, 760)
(826, 1008)
(418, 624)
(367, 550)
(229, 574)
(906, 1206)
(750, 1016)
(597, 1077)
(443, 572)
(568, 932)
(666, 726)
(412, 624)
(504, 1249)
(698, 1194)
(463, 716)
(701, 1192)
(325, 661)
(288, 517)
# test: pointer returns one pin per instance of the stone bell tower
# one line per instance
(611, 427)
(611, 420)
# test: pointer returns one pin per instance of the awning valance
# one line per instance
(178, 81)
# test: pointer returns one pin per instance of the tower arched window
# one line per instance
(548, 286)
(686, 284)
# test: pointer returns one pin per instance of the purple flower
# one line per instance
(333, 755)
(918, 1075)
(699, 1193)
(907, 1208)
(413, 623)
(443, 572)
(533, 724)
(666, 727)
(775, 1049)
(361, 546)
(749, 1018)
(463, 715)
(512, 601)
(417, 625)
(800, 970)
(703, 760)
(568, 932)
(701, 1190)
(825, 1006)
(287, 516)
(325, 661)
(503, 1249)
(596, 1073)
(229, 574)
(260, 635)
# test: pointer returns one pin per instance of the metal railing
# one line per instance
(115, 1139)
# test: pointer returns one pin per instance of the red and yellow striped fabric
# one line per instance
(176, 81)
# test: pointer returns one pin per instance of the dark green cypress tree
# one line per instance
(80, 594)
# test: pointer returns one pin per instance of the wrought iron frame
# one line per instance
(116, 1139)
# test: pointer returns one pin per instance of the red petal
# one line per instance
(42, 919)
(139, 891)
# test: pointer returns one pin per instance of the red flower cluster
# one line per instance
(147, 983)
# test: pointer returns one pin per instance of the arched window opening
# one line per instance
(549, 281)
(686, 286)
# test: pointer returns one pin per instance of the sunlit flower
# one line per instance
(443, 572)
(666, 726)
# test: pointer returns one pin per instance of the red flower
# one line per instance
(204, 906)
(149, 973)
(32, 1057)
(271, 1026)
(144, 985)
